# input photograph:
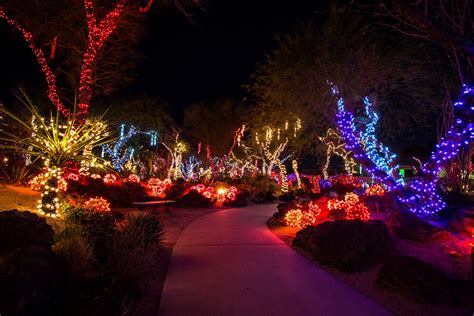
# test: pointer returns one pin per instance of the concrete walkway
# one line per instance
(230, 263)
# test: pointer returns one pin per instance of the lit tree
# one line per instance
(336, 146)
(56, 142)
(100, 26)
(450, 26)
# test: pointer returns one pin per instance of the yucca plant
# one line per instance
(56, 142)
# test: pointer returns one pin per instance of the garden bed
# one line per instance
(436, 253)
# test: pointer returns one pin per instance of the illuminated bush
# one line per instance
(97, 204)
(302, 219)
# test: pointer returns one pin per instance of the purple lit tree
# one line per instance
(421, 195)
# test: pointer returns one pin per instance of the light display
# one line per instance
(41, 58)
(353, 208)
(133, 178)
(375, 190)
(336, 146)
(97, 204)
(190, 169)
(357, 211)
(157, 186)
(300, 218)
(110, 178)
(421, 196)
(272, 146)
(381, 155)
(297, 174)
(49, 203)
(38, 182)
(59, 145)
(116, 151)
(98, 32)
(221, 195)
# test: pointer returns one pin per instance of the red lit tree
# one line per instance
(100, 25)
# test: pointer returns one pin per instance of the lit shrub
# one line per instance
(299, 218)
(97, 204)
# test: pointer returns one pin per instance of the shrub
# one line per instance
(22, 229)
(415, 279)
(97, 227)
(194, 198)
(136, 245)
(32, 275)
(348, 245)
(73, 250)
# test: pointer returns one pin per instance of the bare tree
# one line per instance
(449, 24)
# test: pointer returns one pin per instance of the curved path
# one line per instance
(230, 263)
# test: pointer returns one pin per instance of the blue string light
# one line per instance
(421, 196)
(116, 151)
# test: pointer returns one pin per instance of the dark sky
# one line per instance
(185, 62)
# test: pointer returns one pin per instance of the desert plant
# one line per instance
(136, 244)
(73, 250)
(56, 143)
(15, 169)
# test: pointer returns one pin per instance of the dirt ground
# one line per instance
(17, 197)
(363, 281)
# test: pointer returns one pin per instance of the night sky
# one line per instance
(185, 62)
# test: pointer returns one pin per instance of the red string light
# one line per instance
(40, 57)
(98, 33)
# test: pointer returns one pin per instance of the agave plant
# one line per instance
(56, 142)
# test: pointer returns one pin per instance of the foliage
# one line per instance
(136, 244)
(13, 168)
(348, 246)
(294, 77)
(143, 112)
(73, 250)
(54, 141)
(213, 124)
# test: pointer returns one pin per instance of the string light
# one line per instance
(421, 196)
(110, 178)
(375, 190)
(158, 187)
(336, 146)
(297, 174)
(99, 31)
(98, 204)
(41, 59)
(133, 178)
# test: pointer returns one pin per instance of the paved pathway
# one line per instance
(230, 263)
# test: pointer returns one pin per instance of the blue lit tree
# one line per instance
(120, 152)
(421, 195)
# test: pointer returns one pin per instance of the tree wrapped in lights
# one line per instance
(270, 148)
(57, 144)
(336, 146)
(99, 28)
(421, 196)
(119, 153)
